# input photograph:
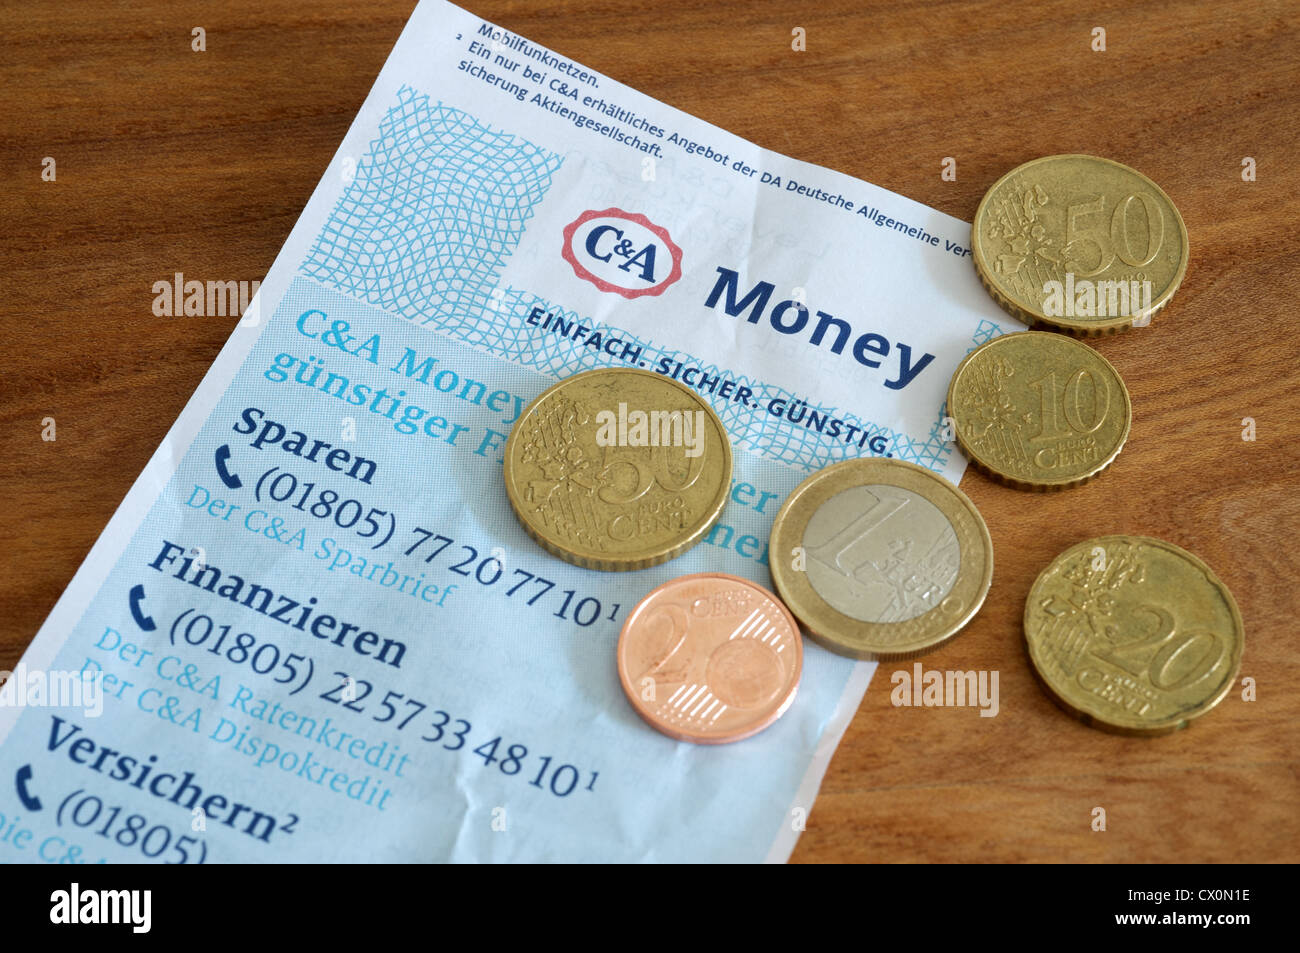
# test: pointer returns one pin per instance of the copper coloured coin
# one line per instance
(710, 658)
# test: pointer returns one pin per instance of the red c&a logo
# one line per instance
(622, 252)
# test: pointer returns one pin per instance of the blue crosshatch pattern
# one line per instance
(436, 207)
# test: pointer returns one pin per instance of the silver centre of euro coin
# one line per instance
(881, 553)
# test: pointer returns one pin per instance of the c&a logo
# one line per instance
(622, 252)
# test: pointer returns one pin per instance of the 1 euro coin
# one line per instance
(880, 559)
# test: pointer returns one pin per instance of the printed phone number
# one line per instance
(324, 505)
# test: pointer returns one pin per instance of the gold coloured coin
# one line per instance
(880, 559)
(1133, 635)
(1080, 244)
(1039, 411)
(618, 469)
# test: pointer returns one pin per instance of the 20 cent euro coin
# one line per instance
(1133, 635)
(617, 469)
(1079, 243)
(1039, 411)
(880, 559)
(710, 658)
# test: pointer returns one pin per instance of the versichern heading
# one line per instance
(792, 317)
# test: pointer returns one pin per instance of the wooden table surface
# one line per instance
(170, 160)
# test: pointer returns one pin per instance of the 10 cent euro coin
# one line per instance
(1080, 244)
(710, 658)
(880, 559)
(1133, 635)
(618, 469)
(1038, 411)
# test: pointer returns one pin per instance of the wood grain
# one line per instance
(170, 160)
